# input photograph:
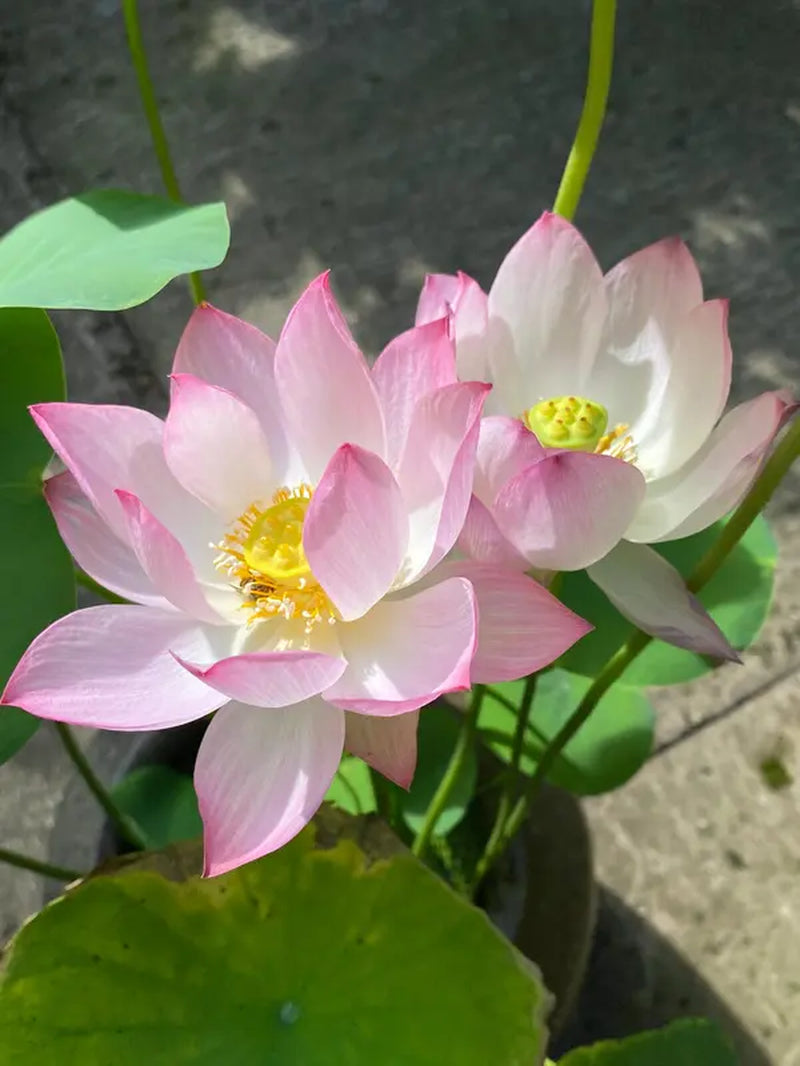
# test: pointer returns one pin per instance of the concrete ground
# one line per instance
(384, 140)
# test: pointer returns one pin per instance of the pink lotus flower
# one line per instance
(282, 537)
(614, 386)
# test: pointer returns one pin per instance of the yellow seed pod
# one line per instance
(568, 422)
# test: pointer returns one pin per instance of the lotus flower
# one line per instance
(603, 432)
(282, 537)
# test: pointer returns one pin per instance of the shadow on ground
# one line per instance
(636, 980)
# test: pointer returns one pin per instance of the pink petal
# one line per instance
(460, 297)
(110, 667)
(389, 745)
(323, 381)
(570, 509)
(260, 777)
(652, 594)
(546, 311)
(164, 560)
(412, 366)
(436, 471)
(356, 530)
(506, 447)
(215, 447)
(94, 547)
(437, 298)
(521, 626)
(406, 652)
(108, 447)
(225, 351)
(718, 476)
(682, 413)
(269, 678)
(482, 540)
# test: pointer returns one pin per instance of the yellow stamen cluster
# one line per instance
(263, 556)
(618, 443)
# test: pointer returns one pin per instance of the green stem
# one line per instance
(512, 778)
(601, 59)
(157, 134)
(124, 825)
(762, 490)
(464, 744)
(98, 589)
(46, 869)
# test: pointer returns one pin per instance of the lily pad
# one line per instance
(688, 1042)
(438, 732)
(162, 802)
(107, 249)
(308, 956)
(738, 598)
(37, 583)
(614, 742)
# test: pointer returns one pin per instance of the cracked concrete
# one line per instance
(386, 140)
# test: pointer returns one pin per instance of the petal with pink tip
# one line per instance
(108, 447)
(389, 745)
(717, 477)
(356, 530)
(653, 595)
(681, 413)
(464, 301)
(110, 667)
(260, 777)
(406, 652)
(226, 351)
(438, 297)
(570, 509)
(323, 381)
(546, 311)
(482, 540)
(521, 626)
(164, 561)
(412, 366)
(94, 547)
(506, 447)
(269, 678)
(215, 447)
(437, 469)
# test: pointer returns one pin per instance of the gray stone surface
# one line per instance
(384, 140)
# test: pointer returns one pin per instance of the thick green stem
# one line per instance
(46, 869)
(762, 490)
(464, 744)
(157, 134)
(601, 59)
(98, 589)
(124, 825)
(512, 780)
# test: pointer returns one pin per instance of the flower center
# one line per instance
(568, 422)
(579, 424)
(263, 556)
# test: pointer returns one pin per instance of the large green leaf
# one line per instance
(438, 732)
(738, 597)
(162, 802)
(107, 249)
(688, 1042)
(306, 958)
(36, 576)
(606, 752)
(351, 789)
